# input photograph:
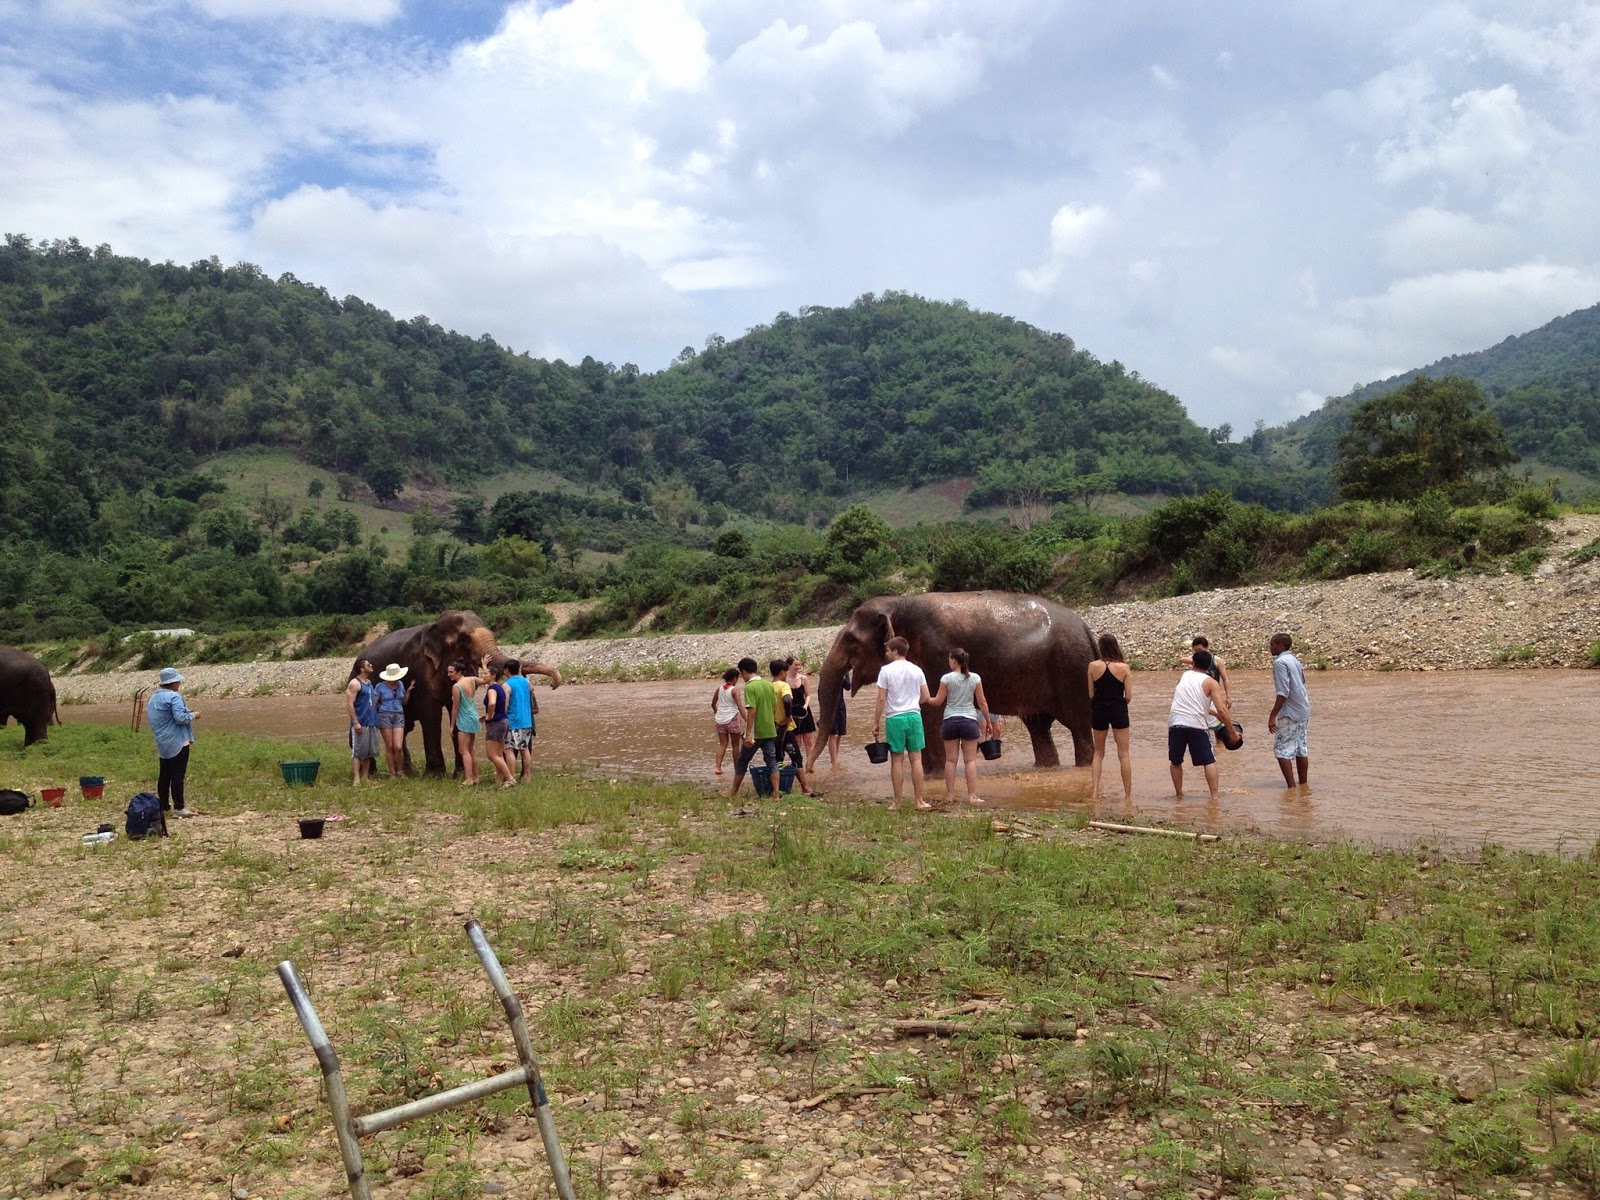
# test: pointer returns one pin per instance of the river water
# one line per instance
(1456, 759)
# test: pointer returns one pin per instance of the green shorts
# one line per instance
(903, 732)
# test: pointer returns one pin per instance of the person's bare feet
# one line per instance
(924, 805)
(976, 800)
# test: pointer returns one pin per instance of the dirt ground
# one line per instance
(147, 1045)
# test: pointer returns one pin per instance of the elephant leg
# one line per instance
(1082, 744)
(432, 751)
(34, 731)
(1044, 746)
(933, 746)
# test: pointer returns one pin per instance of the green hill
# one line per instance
(185, 444)
(1543, 386)
(114, 370)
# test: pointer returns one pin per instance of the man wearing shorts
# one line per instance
(1291, 712)
(1194, 701)
(760, 725)
(902, 690)
(361, 704)
(519, 721)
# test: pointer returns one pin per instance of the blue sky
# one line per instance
(1252, 205)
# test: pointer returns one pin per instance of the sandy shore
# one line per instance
(1391, 621)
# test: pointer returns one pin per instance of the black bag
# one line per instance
(144, 816)
(13, 802)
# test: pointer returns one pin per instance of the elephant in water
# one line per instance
(426, 651)
(27, 694)
(1033, 656)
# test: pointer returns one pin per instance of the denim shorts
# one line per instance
(389, 720)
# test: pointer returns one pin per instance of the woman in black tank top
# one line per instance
(1110, 689)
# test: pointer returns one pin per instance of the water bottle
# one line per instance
(98, 839)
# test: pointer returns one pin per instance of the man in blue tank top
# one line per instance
(361, 704)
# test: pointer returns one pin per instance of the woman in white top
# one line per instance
(966, 719)
(727, 708)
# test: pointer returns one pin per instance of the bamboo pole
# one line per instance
(1113, 827)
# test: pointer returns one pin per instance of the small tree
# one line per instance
(731, 543)
(466, 518)
(384, 476)
(315, 488)
(1430, 433)
(857, 547)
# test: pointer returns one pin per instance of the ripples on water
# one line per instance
(1458, 758)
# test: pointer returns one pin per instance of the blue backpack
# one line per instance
(144, 816)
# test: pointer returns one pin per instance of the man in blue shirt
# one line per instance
(361, 705)
(1291, 712)
(172, 724)
(519, 719)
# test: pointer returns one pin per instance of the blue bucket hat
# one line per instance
(170, 675)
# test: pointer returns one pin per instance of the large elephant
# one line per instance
(426, 651)
(1033, 656)
(27, 694)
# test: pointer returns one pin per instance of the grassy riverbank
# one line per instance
(714, 996)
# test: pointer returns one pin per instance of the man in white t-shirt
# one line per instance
(902, 690)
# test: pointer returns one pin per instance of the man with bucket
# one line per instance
(902, 691)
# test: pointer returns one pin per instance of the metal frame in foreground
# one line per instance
(350, 1128)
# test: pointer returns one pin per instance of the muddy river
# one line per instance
(1456, 759)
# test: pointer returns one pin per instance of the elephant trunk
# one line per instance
(830, 693)
(483, 643)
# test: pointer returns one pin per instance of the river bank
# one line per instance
(1395, 620)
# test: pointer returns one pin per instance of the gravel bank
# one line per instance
(1392, 621)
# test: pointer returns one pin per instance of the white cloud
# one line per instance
(1164, 78)
(537, 293)
(1074, 230)
(1431, 239)
(365, 12)
(1486, 131)
(1144, 179)
(1471, 309)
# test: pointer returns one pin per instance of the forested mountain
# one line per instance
(114, 371)
(1543, 386)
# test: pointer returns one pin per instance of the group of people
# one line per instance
(506, 719)
(773, 717)
(1200, 712)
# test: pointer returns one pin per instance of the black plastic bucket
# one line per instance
(989, 748)
(311, 827)
(878, 752)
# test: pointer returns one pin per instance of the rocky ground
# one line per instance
(1396, 620)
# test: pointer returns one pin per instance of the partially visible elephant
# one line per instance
(1033, 656)
(426, 651)
(27, 694)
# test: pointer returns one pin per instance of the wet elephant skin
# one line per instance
(1033, 656)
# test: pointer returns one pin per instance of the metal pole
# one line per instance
(401, 1113)
(530, 1063)
(349, 1148)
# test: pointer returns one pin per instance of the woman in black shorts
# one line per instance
(1110, 689)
